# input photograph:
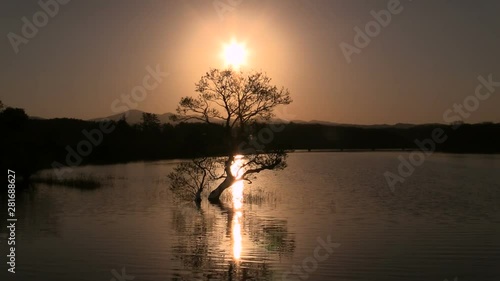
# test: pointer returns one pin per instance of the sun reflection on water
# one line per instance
(236, 227)
(237, 197)
(237, 187)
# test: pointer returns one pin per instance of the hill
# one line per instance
(134, 117)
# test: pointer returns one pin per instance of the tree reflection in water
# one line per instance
(221, 242)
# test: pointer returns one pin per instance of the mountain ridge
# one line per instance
(134, 116)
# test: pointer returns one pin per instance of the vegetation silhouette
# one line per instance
(28, 145)
(190, 179)
(236, 101)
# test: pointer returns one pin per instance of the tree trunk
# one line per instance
(197, 197)
(214, 196)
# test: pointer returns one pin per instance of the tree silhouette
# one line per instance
(150, 122)
(236, 101)
(190, 179)
(13, 117)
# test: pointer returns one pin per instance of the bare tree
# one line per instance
(236, 101)
(190, 179)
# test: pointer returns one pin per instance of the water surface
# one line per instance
(444, 221)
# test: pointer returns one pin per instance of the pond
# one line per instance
(327, 216)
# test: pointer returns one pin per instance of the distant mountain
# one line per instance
(375, 126)
(131, 116)
(36, 118)
(134, 117)
(321, 122)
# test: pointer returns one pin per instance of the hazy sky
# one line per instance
(91, 52)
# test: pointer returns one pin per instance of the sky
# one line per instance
(415, 67)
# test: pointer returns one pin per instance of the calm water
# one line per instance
(442, 223)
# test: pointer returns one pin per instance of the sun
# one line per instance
(235, 54)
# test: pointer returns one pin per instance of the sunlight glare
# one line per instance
(236, 167)
(236, 225)
(237, 193)
(237, 187)
(235, 54)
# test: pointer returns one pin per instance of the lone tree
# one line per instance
(236, 101)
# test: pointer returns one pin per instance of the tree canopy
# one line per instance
(150, 122)
(236, 101)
